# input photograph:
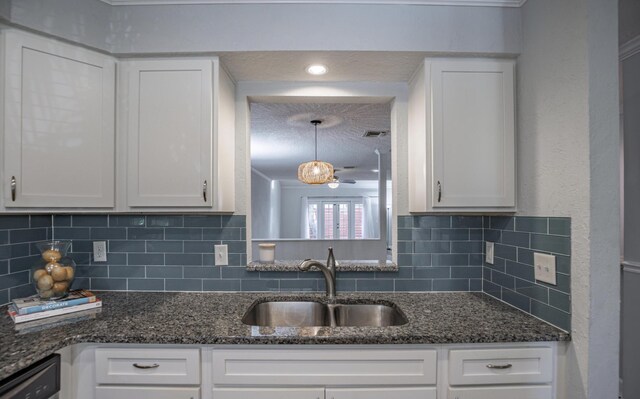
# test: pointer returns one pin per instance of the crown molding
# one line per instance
(470, 3)
(630, 48)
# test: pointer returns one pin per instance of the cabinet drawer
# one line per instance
(111, 392)
(520, 392)
(148, 366)
(500, 366)
(324, 367)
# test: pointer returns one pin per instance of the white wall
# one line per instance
(260, 205)
(5, 9)
(267, 27)
(82, 21)
(631, 99)
(568, 166)
(630, 361)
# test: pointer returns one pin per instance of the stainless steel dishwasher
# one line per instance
(41, 380)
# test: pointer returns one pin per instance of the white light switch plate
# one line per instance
(489, 252)
(545, 268)
(99, 251)
(221, 255)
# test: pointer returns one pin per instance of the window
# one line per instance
(335, 218)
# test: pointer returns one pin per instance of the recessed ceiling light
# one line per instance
(317, 69)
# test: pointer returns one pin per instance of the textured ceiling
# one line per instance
(343, 65)
(282, 137)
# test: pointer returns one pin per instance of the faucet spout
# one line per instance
(328, 271)
(331, 263)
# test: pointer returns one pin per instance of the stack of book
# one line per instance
(34, 308)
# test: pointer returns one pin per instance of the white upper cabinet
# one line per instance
(179, 134)
(462, 136)
(59, 117)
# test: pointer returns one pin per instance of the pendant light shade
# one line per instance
(315, 172)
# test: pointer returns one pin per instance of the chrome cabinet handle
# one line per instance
(439, 191)
(146, 366)
(499, 366)
(13, 188)
(204, 191)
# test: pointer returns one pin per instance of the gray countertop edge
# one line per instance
(215, 319)
(343, 266)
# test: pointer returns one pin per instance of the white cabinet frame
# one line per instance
(217, 148)
(325, 371)
(461, 144)
(59, 121)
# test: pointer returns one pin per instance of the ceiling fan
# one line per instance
(343, 181)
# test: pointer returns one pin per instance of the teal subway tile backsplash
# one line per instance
(512, 278)
(178, 250)
(175, 253)
(532, 224)
(18, 233)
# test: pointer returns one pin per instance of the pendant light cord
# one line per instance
(315, 123)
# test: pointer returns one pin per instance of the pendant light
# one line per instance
(315, 172)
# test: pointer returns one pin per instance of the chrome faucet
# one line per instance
(329, 272)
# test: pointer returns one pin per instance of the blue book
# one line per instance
(34, 304)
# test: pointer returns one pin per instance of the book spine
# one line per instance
(56, 312)
(55, 305)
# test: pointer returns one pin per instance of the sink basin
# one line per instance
(315, 314)
(289, 314)
(372, 315)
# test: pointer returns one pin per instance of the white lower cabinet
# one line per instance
(477, 371)
(324, 373)
(493, 373)
(147, 373)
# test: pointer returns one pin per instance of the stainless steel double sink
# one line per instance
(316, 314)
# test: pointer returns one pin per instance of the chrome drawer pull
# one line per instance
(499, 366)
(13, 188)
(146, 366)
(204, 191)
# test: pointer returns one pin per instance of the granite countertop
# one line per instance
(342, 266)
(215, 318)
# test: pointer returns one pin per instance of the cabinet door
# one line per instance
(382, 393)
(170, 129)
(142, 392)
(473, 133)
(59, 124)
(268, 393)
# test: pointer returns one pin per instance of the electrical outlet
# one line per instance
(545, 268)
(221, 255)
(489, 252)
(99, 251)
